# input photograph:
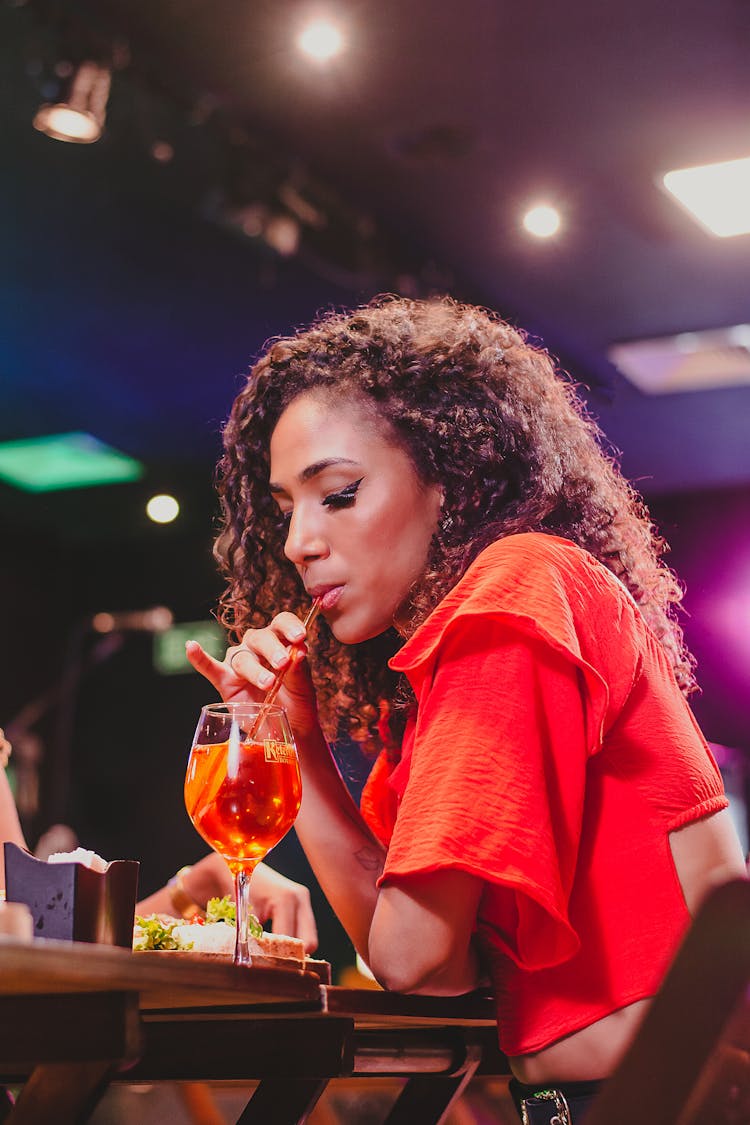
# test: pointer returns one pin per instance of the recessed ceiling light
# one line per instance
(162, 508)
(321, 40)
(542, 220)
(716, 195)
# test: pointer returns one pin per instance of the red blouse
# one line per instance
(551, 754)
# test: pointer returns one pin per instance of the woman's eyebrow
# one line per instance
(313, 470)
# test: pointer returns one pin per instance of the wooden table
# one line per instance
(75, 1017)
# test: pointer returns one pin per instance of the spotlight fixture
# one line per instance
(79, 115)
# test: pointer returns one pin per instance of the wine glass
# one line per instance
(243, 791)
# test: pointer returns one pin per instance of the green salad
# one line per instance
(157, 931)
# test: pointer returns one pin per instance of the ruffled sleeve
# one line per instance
(509, 712)
(539, 586)
(378, 802)
(496, 784)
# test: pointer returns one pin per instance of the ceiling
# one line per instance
(133, 300)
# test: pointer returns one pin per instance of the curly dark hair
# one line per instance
(479, 410)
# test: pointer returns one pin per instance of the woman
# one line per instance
(492, 591)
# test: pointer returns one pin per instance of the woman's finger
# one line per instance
(214, 670)
(289, 627)
(245, 664)
(273, 644)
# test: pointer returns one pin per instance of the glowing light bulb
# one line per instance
(321, 40)
(162, 508)
(542, 220)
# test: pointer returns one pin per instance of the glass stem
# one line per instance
(242, 899)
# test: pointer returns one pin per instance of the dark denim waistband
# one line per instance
(565, 1103)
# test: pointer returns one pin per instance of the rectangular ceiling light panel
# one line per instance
(59, 461)
(692, 361)
(716, 195)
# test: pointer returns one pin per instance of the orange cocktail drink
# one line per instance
(243, 798)
(243, 791)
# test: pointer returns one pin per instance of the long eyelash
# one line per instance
(341, 499)
(345, 497)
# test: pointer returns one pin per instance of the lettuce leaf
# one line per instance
(156, 933)
(223, 910)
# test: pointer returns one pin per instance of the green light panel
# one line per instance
(78, 460)
(169, 646)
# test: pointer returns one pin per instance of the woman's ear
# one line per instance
(444, 518)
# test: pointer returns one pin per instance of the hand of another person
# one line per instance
(248, 670)
(275, 899)
(5, 749)
(285, 904)
(10, 826)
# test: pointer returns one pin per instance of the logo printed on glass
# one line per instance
(277, 751)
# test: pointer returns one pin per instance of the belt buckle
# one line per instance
(562, 1110)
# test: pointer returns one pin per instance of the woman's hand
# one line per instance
(248, 670)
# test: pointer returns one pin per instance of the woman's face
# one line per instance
(360, 521)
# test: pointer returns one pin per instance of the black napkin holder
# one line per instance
(70, 901)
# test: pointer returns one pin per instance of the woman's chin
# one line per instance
(348, 631)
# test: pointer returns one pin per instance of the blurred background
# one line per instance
(235, 167)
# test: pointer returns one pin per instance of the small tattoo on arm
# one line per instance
(368, 858)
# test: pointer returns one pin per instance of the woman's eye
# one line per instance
(343, 498)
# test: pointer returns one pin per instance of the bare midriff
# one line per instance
(706, 853)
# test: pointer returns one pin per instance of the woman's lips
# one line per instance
(328, 595)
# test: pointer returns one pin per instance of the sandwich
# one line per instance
(215, 934)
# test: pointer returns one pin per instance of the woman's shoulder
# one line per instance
(540, 584)
(534, 563)
(535, 549)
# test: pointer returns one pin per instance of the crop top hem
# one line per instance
(551, 1036)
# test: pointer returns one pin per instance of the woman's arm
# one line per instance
(415, 936)
(421, 933)
(344, 855)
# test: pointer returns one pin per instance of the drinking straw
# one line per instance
(278, 679)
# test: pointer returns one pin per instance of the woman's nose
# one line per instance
(304, 541)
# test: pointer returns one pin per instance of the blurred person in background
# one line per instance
(10, 825)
